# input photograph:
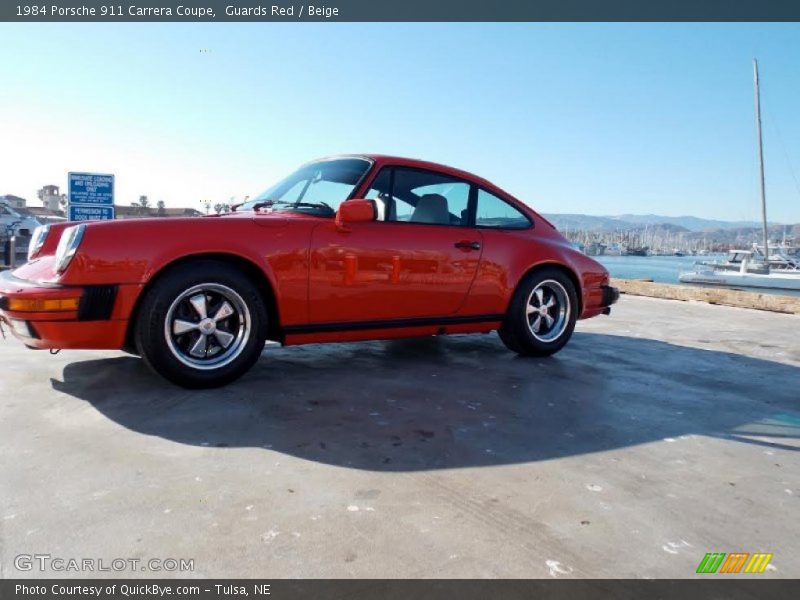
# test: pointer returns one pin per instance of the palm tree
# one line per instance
(142, 205)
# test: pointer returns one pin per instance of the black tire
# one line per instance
(518, 329)
(130, 349)
(196, 356)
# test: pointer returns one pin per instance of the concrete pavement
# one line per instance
(660, 433)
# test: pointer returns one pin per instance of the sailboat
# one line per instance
(750, 269)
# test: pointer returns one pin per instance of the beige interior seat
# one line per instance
(431, 208)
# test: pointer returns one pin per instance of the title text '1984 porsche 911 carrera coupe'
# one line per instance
(346, 248)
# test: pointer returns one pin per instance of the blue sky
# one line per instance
(591, 118)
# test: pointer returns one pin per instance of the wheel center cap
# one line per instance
(208, 326)
(543, 310)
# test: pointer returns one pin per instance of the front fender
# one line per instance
(133, 252)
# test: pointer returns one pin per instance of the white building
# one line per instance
(13, 201)
(51, 197)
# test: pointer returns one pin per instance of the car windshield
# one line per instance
(316, 188)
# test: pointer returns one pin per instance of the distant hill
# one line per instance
(665, 232)
(636, 222)
(690, 223)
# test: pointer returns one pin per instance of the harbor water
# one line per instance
(665, 269)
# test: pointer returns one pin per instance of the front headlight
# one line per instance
(67, 246)
(37, 240)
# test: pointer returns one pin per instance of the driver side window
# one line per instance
(418, 196)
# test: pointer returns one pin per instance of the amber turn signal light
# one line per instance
(43, 305)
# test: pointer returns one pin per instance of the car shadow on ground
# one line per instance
(437, 403)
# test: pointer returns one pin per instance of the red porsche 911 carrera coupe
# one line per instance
(346, 248)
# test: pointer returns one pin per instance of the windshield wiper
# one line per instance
(268, 203)
(316, 205)
(319, 204)
(262, 204)
(254, 207)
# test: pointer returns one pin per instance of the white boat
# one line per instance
(755, 276)
(757, 268)
(755, 262)
(734, 279)
(594, 249)
(781, 256)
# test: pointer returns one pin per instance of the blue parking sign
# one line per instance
(91, 189)
(91, 197)
(90, 213)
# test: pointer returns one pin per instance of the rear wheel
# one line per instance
(542, 314)
(202, 325)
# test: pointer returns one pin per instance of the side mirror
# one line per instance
(355, 211)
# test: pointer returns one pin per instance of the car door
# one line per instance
(418, 260)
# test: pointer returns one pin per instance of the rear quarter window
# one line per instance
(494, 212)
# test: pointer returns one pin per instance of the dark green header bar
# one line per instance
(400, 10)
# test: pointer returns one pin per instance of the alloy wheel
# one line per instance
(548, 310)
(207, 326)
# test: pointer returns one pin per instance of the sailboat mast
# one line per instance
(757, 94)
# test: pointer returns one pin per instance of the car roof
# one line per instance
(387, 159)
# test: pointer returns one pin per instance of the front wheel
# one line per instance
(202, 325)
(542, 314)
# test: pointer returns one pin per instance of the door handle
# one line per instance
(467, 245)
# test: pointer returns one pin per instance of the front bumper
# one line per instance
(49, 315)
